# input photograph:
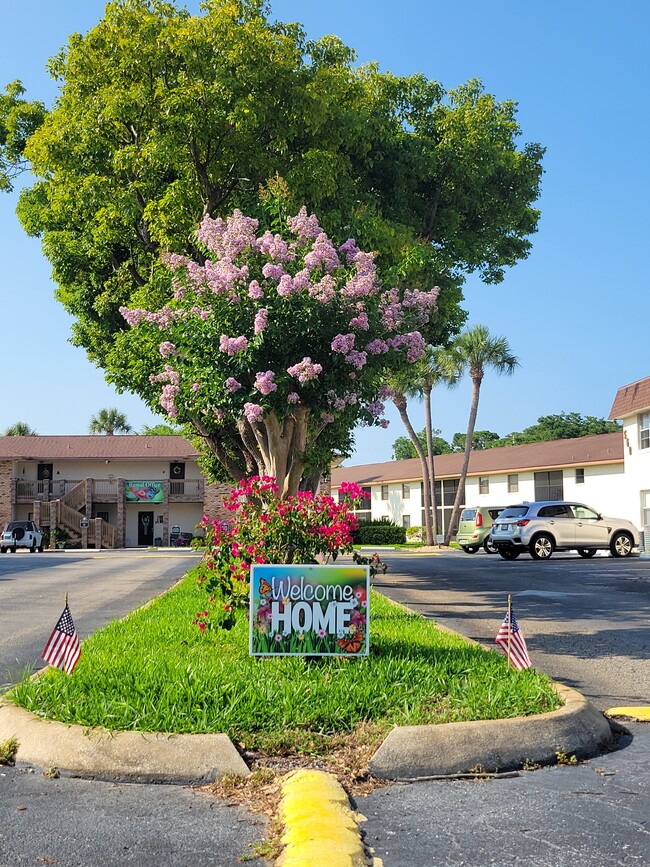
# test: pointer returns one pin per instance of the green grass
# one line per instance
(154, 671)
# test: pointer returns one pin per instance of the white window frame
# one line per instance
(644, 430)
(406, 491)
(484, 484)
(513, 483)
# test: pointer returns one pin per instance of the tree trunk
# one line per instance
(471, 424)
(426, 391)
(400, 402)
(283, 447)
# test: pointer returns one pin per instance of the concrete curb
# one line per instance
(141, 756)
(412, 752)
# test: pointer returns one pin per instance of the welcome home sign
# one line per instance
(299, 610)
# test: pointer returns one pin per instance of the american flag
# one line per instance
(62, 649)
(518, 650)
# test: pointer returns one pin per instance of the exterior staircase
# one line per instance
(67, 513)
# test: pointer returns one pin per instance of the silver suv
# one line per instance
(543, 527)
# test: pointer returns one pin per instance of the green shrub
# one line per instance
(415, 534)
(379, 531)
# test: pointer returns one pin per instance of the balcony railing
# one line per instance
(186, 490)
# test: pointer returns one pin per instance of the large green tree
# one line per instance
(163, 118)
(564, 425)
(403, 448)
(107, 421)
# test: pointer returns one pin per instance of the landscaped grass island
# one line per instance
(156, 671)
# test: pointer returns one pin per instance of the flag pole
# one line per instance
(509, 624)
(66, 600)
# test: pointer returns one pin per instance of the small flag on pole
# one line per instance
(62, 649)
(512, 641)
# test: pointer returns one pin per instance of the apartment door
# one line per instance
(145, 528)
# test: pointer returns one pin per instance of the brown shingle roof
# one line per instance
(600, 449)
(631, 398)
(83, 448)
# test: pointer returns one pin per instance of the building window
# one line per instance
(644, 430)
(384, 492)
(483, 485)
(406, 521)
(580, 476)
(645, 511)
(406, 492)
(513, 483)
(549, 485)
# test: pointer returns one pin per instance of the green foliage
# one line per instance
(161, 430)
(482, 439)
(564, 425)
(20, 429)
(18, 120)
(108, 421)
(8, 750)
(379, 531)
(403, 448)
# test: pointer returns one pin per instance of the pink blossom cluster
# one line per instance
(166, 349)
(163, 318)
(231, 345)
(227, 238)
(305, 370)
(323, 253)
(414, 343)
(377, 347)
(361, 322)
(357, 359)
(349, 250)
(261, 320)
(255, 291)
(343, 343)
(275, 247)
(264, 382)
(304, 226)
(324, 291)
(232, 385)
(273, 271)
(253, 412)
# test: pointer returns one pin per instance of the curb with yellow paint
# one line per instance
(321, 829)
(640, 714)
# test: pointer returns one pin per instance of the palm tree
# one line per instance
(107, 421)
(20, 429)
(418, 380)
(474, 350)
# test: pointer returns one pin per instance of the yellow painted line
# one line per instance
(639, 713)
(321, 829)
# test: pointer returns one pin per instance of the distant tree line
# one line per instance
(564, 425)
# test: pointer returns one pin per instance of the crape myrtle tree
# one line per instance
(163, 118)
(277, 337)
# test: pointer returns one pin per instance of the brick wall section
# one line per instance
(6, 472)
(213, 501)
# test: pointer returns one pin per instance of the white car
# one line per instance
(21, 534)
(543, 527)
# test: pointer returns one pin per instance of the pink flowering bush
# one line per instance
(277, 336)
(264, 528)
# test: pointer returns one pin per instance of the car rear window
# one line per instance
(494, 513)
(514, 512)
(468, 514)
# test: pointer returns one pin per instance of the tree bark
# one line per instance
(400, 402)
(471, 424)
(428, 424)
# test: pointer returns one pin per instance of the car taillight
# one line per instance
(523, 522)
(479, 520)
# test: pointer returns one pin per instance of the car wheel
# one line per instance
(3, 550)
(13, 549)
(488, 547)
(40, 549)
(509, 553)
(32, 549)
(470, 549)
(542, 547)
(621, 545)
(586, 552)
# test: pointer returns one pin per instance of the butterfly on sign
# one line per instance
(352, 643)
(265, 588)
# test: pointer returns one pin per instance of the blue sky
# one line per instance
(576, 312)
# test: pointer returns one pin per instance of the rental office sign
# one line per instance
(309, 610)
